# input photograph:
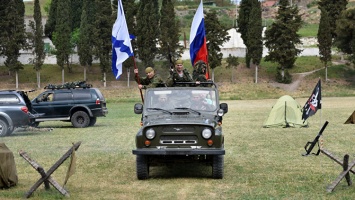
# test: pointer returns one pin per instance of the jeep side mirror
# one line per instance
(224, 107)
(138, 108)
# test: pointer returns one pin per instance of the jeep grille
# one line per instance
(186, 139)
(178, 129)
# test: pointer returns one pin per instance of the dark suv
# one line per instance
(14, 111)
(78, 105)
(180, 124)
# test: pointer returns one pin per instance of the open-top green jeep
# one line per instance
(180, 124)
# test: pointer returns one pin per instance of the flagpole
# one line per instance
(320, 89)
(137, 77)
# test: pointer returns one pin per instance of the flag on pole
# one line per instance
(121, 42)
(314, 102)
(198, 46)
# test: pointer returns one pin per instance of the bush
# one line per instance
(286, 79)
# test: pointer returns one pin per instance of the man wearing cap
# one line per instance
(178, 75)
(151, 81)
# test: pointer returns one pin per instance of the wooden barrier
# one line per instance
(46, 176)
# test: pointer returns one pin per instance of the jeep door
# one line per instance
(54, 104)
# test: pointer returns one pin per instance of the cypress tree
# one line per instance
(216, 35)
(170, 28)
(281, 39)
(334, 8)
(102, 35)
(345, 32)
(76, 10)
(3, 26)
(324, 37)
(85, 42)
(13, 34)
(254, 35)
(51, 21)
(37, 42)
(245, 9)
(130, 9)
(147, 22)
(62, 35)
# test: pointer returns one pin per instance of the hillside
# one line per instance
(234, 83)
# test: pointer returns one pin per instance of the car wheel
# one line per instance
(92, 121)
(142, 167)
(35, 124)
(217, 166)
(10, 130)
(3, 128)
(80, 119)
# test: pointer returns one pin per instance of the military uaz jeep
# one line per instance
(180, 124)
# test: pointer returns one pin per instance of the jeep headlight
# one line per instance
(206, 133)
(220, 112)
(150, 133)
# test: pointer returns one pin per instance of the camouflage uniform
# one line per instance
(199, 71)
(175, 78)
(156, 81)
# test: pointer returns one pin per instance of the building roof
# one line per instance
(269, 3)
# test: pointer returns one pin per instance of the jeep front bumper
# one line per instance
(182, 151)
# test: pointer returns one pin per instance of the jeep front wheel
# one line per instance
(217, 166)
(3, 128)
(142, 167)
(80, 119)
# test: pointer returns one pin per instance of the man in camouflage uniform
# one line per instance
(199, 73)
(151, 81)
(178, 75)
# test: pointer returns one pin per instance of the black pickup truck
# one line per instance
(78, 105)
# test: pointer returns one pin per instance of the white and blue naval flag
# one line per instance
(121, 42)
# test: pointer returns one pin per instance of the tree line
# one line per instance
(86, 25)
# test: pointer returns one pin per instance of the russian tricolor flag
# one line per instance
(198, 46)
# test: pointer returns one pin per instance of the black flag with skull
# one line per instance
(313, 103)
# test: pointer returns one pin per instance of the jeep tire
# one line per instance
(142, 167)
(80, 119)
(217, 166)
(3, 128)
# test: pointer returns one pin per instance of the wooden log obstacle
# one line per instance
(46, 176)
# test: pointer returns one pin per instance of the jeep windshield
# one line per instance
(187, 99)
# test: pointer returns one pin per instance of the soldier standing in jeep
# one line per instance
(178, 75)
(151, 81)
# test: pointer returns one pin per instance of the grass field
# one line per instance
(259, 163)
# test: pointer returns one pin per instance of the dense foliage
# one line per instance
(245, 9)
(85, 43)
(169, 29)
(102, 36)
(281, 39)
(147, 23)
(13, 35)
(324, 37)
(216, 35)
(334, 8)
(62, 34)
(345, 32)
(35, 38)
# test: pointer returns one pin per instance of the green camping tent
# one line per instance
(286, 112)
(351, 119)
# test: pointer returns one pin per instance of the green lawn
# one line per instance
(259, 163)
